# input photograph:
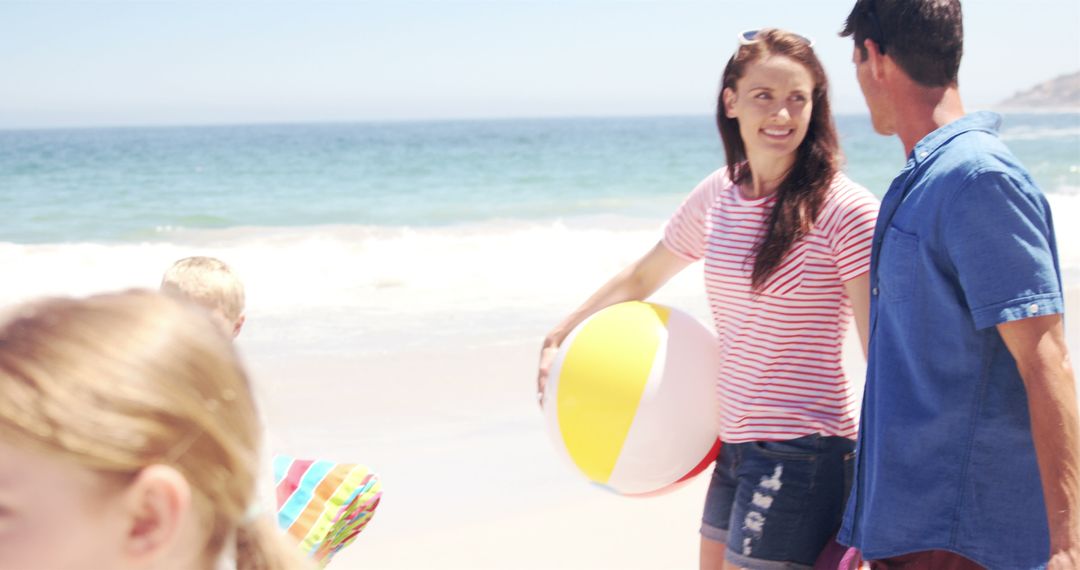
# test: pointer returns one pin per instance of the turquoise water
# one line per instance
(143, 184)
(380, 237)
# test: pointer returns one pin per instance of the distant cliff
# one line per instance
(1061, 93)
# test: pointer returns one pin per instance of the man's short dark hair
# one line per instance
(924, 37)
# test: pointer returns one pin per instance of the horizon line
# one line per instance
(466, 119)
(397, 120)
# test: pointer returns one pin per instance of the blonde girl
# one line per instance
(128, 440)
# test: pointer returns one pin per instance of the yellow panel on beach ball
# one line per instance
(601, 380)
(631, 398)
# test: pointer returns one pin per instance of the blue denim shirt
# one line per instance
(945, 458)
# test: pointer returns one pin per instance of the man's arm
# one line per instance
(1038, 346)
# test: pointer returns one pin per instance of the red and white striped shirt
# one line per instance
(780, 375)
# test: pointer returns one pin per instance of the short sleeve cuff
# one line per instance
(1020, 308)
(674, 248)
(856, 270)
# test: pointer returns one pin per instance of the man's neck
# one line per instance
(921, 111)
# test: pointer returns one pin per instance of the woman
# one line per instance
(786, 242)
(128, 440)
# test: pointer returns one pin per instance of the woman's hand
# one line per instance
(547, 357)
(634, 283)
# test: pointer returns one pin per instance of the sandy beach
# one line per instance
(470, 477)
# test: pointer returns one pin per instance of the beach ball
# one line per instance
(631, 398)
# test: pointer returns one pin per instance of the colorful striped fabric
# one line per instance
(324, 505)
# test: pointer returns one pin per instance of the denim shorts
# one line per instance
(775, 504)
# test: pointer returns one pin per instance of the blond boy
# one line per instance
(211, 283)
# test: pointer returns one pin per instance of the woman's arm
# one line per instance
(858, 291)
(635, 283)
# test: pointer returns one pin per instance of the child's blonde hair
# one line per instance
(209, 282)
(122, 381)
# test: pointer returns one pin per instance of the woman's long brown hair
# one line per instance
(802, 192)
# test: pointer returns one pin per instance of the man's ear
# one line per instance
(158, 502)
(728, 96)
(238, 325)
(876, 59)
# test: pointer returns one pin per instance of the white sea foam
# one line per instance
(373, 287)
(1066, 212)
(1031, 133)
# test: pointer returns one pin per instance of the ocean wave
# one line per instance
(1065, 208)
(1040, 133)
(502, 277)
(385, 270)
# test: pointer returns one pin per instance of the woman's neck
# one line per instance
(765, 176)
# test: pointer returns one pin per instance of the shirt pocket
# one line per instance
(896, 274)
(787, 278)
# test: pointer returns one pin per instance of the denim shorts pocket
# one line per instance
(896, 274)
(801, 449)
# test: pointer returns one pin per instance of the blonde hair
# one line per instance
(122, 381)
(209, 282)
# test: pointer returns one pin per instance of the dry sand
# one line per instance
(470, 477)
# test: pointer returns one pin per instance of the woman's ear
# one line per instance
(728, 96)
(158, 504)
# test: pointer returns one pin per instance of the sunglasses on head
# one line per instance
(750, 36)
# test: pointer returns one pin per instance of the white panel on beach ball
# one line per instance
(631, 398)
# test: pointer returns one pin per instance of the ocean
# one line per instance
(367, 234)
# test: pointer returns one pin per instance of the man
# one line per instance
(968, 445)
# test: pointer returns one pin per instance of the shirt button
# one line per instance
(873, 291)
(1033, 309)
(924, 154)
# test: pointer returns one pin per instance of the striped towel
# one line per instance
(323, 505)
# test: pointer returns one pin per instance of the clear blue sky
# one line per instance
(81, 63)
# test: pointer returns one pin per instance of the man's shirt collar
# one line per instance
(978, 121)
